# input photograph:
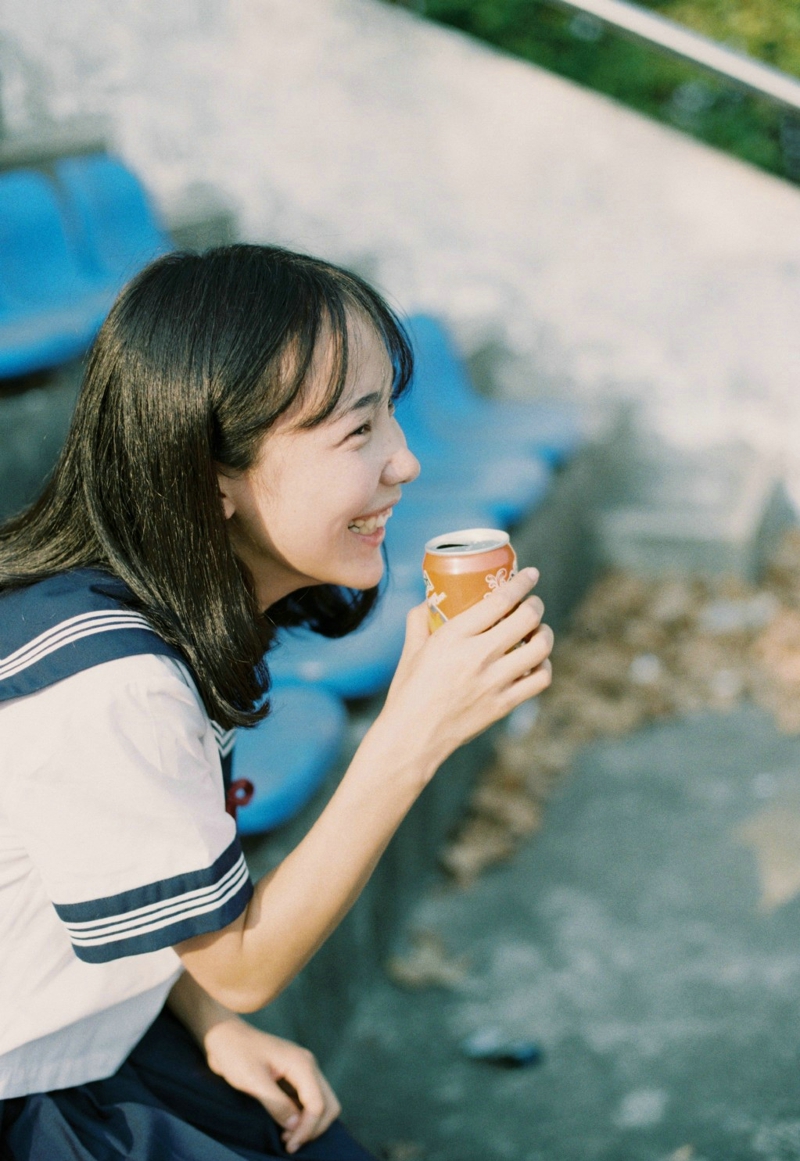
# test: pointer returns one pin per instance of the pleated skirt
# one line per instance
(163, 1104)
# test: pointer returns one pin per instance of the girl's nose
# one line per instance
(402, 466)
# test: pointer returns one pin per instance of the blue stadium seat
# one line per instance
(509, 484)
(451, 407)
(287, 756)
(50, 309)
(359, 665)
(115, 222)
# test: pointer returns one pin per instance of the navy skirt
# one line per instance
(163, 1104)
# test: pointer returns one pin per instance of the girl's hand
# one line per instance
(450, 685)
(260, 1064)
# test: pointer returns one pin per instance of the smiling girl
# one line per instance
(231, 465)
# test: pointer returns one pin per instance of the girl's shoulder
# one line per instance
(68, 623)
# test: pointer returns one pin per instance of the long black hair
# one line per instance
(197, 359)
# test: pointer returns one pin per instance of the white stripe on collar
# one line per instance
(65, 633)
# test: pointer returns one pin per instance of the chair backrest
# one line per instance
(410, 417)
(117, 226)
(441, 382)
(38, 265)
(410, 528)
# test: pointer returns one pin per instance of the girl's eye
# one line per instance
(366, 428)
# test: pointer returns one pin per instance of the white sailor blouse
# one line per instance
(115, 843)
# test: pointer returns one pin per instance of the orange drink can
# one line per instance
(461, 568)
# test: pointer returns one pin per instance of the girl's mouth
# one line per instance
(370, 524)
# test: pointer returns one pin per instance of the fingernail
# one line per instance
(293, 1121)
(532, 573)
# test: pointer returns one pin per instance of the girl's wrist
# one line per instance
(218, 1036)
(199, 1012)
(410, 752)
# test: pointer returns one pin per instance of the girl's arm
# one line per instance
(448, 688)
(264, 1066)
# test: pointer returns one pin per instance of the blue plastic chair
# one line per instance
(358, 665)
(116, 224)
(50, 309)
(509, 485)
(288, 755)
(453, 409)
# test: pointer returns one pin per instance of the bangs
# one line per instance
(337, 301)
(270, 316)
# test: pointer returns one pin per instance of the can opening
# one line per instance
(467, 541)
(470, 546)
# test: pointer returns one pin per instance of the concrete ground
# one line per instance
(648, 938)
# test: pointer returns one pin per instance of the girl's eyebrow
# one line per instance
(373, 399)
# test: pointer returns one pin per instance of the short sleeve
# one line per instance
(114, 787)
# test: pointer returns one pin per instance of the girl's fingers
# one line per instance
(527, 656)
(417, 629)
(332, 1107)
(305, 1131)
(518, 625)
(277, 1102)
(320, 1106)
(486, 613)
(530, 685)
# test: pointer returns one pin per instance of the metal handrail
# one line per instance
(692, 46)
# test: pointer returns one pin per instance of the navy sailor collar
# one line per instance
(69, 622)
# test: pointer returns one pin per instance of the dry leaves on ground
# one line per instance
(428, 964)
(639, 650)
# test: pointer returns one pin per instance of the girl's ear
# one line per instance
(227, 490)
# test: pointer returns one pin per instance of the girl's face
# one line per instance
(311, 509)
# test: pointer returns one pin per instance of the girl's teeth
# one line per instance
(367, 527)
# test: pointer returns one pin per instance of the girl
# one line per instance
(232, 461)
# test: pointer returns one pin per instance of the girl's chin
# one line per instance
(364, 577)
(364, 581)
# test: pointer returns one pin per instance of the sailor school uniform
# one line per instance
(115, 845)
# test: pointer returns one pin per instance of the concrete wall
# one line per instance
(602, 252)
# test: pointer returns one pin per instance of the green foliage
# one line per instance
(586, 51)
(767, 29)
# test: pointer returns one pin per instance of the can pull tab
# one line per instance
(239, 794)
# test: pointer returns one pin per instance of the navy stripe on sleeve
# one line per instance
(160, 914)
